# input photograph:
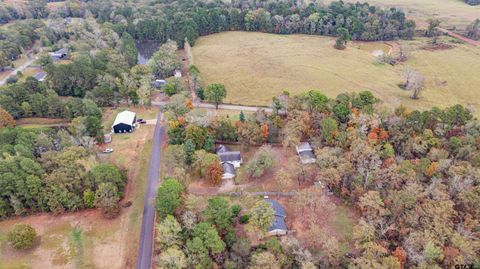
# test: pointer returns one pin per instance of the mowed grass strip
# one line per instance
(256, 66)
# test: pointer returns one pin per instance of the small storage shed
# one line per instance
(124, 122)
(177, 74)
(305, 152)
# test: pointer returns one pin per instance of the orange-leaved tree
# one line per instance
(214, 173)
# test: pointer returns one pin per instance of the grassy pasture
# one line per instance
(256, 66)
(453, 13)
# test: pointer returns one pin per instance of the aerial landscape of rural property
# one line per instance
(198, 134)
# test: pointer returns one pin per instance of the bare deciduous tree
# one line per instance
(414, 81)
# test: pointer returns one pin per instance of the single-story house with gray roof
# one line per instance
(59, 54)
(230, 161)
(279, 225)
(233, 157)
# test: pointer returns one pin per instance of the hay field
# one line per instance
(256, 66)
(453, 13)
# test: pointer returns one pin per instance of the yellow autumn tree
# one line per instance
(6, 120)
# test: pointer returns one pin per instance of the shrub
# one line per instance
(12, 79)
(89, 198)
(236, 210)
(244, 219)
(172, 87)
(22, 236)
(200, 94)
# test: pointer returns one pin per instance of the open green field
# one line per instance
(256, 66)
(451, 12)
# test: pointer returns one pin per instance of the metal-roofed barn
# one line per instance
(124, 122)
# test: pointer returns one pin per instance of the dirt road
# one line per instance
(144, 258)
(457, 36)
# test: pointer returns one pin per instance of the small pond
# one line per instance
(145, 50)
(375, 48)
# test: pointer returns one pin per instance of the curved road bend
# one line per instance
(145, 249)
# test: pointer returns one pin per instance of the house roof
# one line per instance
(306, 155)
(126, 117)
(222, 148)
(278, 224)
(228, 168)
(280, 215)
(279, 209)
(40, 76)
(61, 51)
(304, 147)
(230, 156)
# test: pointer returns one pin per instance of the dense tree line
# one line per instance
(185, 19)
(36, 9)
(16, 38)
(43, 170)
(30, 99)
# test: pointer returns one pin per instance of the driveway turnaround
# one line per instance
(145, 249)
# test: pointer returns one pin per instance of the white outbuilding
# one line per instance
(124, 122)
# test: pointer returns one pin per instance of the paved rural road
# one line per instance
(145, 249)
(223, 106)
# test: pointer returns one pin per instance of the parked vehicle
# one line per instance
(108, 150)
(142, 122)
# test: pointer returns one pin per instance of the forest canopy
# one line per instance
(43, 170)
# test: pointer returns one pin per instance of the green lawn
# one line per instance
(256, 66)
